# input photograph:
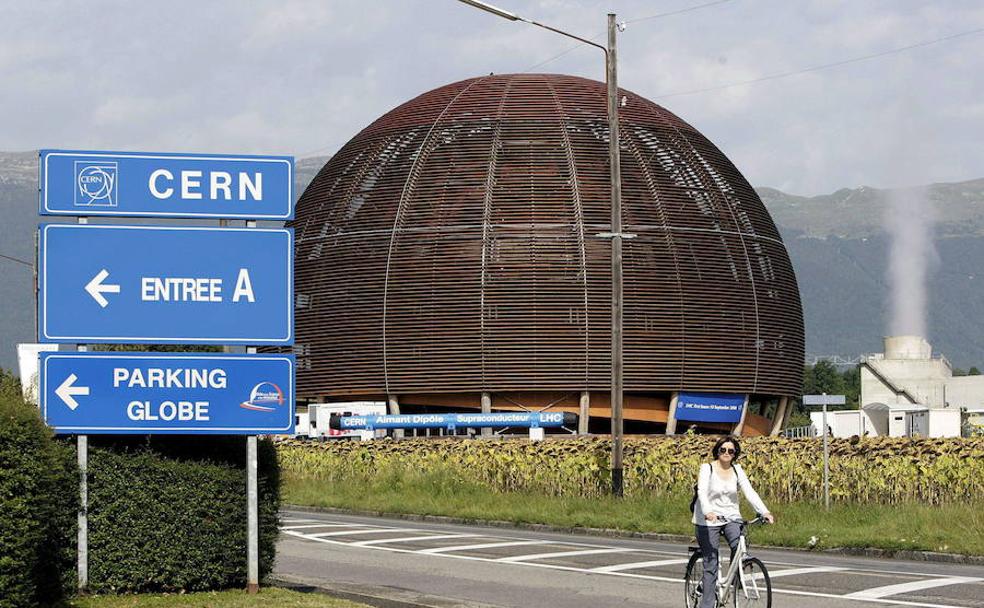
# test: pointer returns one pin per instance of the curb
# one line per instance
(901, 554)
(378, 597)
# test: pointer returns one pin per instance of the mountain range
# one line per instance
(837, 242)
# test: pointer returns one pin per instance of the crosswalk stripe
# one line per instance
(354, 532)
(483, 546)
(878, 592)
(536, 556)
(806, 570)
(409, 539)
(638, 565)
(307, 526)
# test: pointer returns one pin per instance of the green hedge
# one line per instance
(38, 506)
(165, 513)
(169, 514)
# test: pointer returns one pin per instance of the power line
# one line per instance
(824, 66)
(656, 16)
(678, 12)
(18, 260)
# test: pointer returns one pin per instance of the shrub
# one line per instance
(38, 506)
(169, 513)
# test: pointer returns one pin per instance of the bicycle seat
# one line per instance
(693, 549)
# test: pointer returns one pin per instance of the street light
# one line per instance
(616, 235)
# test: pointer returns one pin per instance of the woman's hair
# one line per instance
(726, 439)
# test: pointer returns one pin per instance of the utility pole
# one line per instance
(611, 74)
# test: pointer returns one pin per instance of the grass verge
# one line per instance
(269, 596)
(954, 528)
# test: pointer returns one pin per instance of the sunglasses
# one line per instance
(726, 451)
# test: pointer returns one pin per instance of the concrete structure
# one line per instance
(907, 390)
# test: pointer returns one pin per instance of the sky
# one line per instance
(302, 77)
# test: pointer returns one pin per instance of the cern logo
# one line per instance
(96, 184)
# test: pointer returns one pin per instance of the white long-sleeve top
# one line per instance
(720, 496)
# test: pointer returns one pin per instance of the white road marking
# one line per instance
(410, 539)
(354, 532)
(666, 579)
(638, 565)
(305, 526)
(877, 592)
(796, 571)
(535, 556)
(294, 520)
(518, 543)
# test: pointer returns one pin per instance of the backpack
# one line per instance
(693, 499)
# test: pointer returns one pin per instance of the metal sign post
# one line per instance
(82, 448)
(252, 498)
(252, 519)
(824, 400)
(82, 445)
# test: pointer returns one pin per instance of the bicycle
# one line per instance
(748, 586)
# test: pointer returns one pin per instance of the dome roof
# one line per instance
(451, 246)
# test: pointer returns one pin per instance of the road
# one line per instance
(446, 565)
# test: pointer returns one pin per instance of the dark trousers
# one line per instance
(709, 539)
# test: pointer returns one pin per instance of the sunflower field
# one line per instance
(878, 470)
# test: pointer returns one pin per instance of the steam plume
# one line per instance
(909, 219)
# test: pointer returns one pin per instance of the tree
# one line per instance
(852, 387)
(974, 371)
(823, 378)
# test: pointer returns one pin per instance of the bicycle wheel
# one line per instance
(692, 580)
(753, 588)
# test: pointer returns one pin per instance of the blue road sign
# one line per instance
(149, 184)
(452, 421)
(710, 407)
(176, 393)
(163, 284)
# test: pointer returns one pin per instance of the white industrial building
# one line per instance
(908, 391)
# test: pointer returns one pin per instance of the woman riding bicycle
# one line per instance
(716, 508)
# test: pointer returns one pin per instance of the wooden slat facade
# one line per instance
(450, 248)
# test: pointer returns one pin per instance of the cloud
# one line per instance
(306, 75)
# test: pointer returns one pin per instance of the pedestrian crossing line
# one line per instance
(308, 526)
(536, 556)
(409, 539)
(354, 532)
(295, 520)
(518, 543)
(880, 592)
(638, 565)
(807, 570)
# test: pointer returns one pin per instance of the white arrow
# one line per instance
(67, 392)
(96, 288)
